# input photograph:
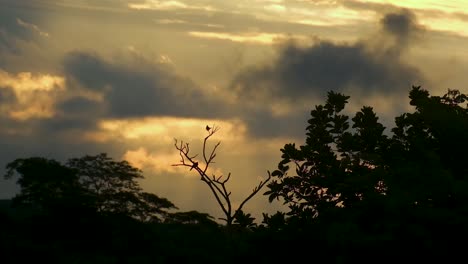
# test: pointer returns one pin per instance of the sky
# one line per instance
(126, 78)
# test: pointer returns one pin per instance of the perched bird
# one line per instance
(194, 165)
(208, 128)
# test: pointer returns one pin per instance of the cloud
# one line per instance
(184, 22)
(299, 75)
(7, 43)
(450, 18)
(256, 38)
(32, 27)
(168, 5)
(34, 95)
(159, 162)
(14, 31)
(136, 87)
(403, 27)
(311, 71)
(399, 24)
(7, 96)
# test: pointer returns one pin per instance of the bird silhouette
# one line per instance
(208, 128)
(194, 165)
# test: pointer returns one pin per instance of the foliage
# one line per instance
(191, 217)
(115, 188)
(97, 182)
(346, 171)
(244, 220)
(46, 183)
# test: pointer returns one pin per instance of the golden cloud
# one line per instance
(255, 38)
(34, 94)
(168, 5)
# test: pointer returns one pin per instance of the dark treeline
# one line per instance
(353, 191)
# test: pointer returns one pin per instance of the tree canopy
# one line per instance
(350, 167)
(97, 182)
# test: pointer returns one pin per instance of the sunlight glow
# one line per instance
(34, 94)
(166, 128)
(157, 162)
(167, 5)
(255, 38)
(329, 16)
(459, 27)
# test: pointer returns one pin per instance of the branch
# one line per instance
(254, 192)
(217, 185)
(189, 161)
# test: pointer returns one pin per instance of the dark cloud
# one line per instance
(139, 88)
(11, 30)
(77, 113)
(80, 105)
(400, 24)
(403, 27)
(262, 124)
(308, 71)
(7, 43)
(65, 123)
(369, 67)
(300, 72)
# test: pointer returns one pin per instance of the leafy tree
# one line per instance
(115, 188)
(46, 184)
(244, 220)
(191, 217)
(338, 166)
(429, 146)
(153, 208)
(99, 182)
(354, 171)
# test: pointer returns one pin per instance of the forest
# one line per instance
(353, 190)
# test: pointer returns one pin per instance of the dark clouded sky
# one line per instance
(127, 77)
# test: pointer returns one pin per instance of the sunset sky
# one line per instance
(127, 77)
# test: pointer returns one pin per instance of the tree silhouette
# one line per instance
(97, 182)
(46, 184)
(113, 184)
(191, 217)
(356, 172)
(336, 167)
(217, 184)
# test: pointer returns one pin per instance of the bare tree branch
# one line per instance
(216, 184)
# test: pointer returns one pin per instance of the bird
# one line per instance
(194, 165)
(208, 128)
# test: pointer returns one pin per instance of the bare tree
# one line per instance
(217, 184)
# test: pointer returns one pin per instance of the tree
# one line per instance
(337, 167)
(153, 208)
(191, 217)
(115, 188)
(217, 184)
(429, 146)
(355, 171)
(111, 183)
(46, 184)
(99, 182)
